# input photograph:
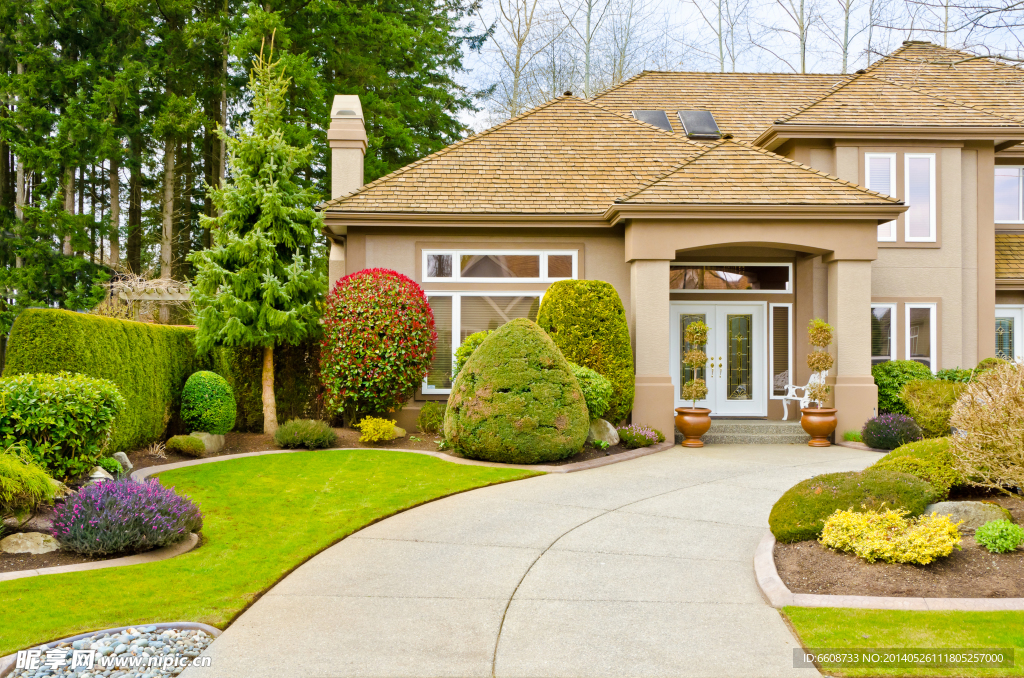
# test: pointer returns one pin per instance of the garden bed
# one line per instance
(16, 562)
(809, 567)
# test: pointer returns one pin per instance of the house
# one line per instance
(888, 202)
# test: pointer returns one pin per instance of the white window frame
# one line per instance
(691, 264)
(457, 321)
(457, 255)
(1020, 194)
(1016, 314)
(893, 329)
(890, 190)
(771, 347)
(933, 328)
(907, 157)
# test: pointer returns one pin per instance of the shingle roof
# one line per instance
(731, 173)
(867, 100)
(567, 156)
(1009, 255)
(744, 104)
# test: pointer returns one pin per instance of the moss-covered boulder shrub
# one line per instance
(516, 400)
(929, 460)
(586, 320)
(801, 512)
(891, 377)
(208, 404)
(187, 445)
(930, 402)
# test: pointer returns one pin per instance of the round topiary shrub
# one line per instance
(597, 391)
(378, 343)
(586, 320)
(207, 404)
(889, 431)
(890, 377)
(929, 460)
(801, 512)
(516, 400)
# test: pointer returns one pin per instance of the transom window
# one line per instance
(1009, 189)
(489, 266)
(731, 278)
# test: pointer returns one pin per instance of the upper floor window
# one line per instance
(920, 196)
(1009, 187)
(880, 175)
(492, 266)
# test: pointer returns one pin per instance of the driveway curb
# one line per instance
(778, 595)
(181, 548)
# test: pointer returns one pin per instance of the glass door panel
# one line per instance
(739, 374)
(686, 373)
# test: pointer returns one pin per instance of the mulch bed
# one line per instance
(809, 567)
(12, 562)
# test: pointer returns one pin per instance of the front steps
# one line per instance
(753, 432)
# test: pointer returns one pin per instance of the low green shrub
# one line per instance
(597, 391)
(63, 419)
(990, 363)
(188, 445)
(955, 374)
(853, 437)
(376, 430)
(24, 483)
(111, 466)
(888, 536)
(890, 377)
(801, 512)
(310, 434)
(638, 435)
(929, 460)
(999, 536)
(889, 431)
(431, 417)
(207, 404)
(466, 348)
(930, 402)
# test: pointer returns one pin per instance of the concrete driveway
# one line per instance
(642, 568)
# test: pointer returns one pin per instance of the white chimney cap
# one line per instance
(346, 106)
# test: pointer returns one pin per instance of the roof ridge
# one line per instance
(621, 84)
(942, 97)
(670, 171)
(446, 149)
(905, 46)
(631, 119)
(829, 92)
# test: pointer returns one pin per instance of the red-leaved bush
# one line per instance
(377, 345)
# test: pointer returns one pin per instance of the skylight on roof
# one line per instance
(699, 124)
(656, 118)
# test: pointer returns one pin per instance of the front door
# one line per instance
(736, 369)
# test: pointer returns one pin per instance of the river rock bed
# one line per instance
(143, 652)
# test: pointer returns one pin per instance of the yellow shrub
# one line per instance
(888, 536)
(376, 429)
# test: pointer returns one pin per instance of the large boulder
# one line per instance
(34, 543)
(602, 431)
(516, 400)
(974, 514)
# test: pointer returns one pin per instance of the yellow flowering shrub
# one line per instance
(376, 429)
(888, 535)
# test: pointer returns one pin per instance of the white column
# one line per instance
(855, 395)
(654, 404)
(347, 139)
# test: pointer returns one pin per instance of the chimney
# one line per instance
(347, 139)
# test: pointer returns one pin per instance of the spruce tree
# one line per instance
(257, 285)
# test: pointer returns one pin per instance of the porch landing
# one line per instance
(753, 432)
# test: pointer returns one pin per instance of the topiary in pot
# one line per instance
(819, 422)
(207, 404)
(891, 377)
(694, 422)
(889, 431)
(587, 322)
(516, 400)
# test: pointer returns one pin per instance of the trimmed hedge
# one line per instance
(148, 363)
(930, 460)
(587, 321)
(890, 377)
(207, 404)
(801, 512)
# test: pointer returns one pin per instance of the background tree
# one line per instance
(257, 286)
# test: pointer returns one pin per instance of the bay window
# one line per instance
(1009, 190)
(919, 173)
(880, 176)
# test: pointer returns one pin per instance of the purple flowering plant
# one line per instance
(124, 516)
(638, 435)
(889, 431)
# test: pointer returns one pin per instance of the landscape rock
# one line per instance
(34, 543)
(602, 430)
(40, 521)
(122, 459)
(99, 475)
(213, 443)
(973, 513)
(400, 432)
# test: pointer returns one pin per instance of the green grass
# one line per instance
(263, 517)
(847, 628)
(853, 437)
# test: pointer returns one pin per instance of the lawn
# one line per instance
(850, 628)
(263, 517)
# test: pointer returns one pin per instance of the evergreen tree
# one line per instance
(257, 286)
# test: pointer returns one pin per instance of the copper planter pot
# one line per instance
(693, 422)
(819, 422)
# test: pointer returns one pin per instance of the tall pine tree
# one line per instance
(257, 286)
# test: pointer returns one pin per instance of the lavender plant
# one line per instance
(124, 516)
(638, 435)
(889, 431)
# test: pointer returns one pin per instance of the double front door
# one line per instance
(736, 371)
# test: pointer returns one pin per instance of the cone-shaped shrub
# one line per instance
(516, 400)
(587, 321)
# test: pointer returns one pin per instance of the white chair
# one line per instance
(797, 393)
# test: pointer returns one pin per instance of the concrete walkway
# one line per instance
(642, 568)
